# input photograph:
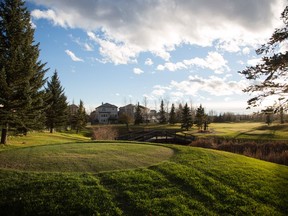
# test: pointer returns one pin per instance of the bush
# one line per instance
(104, 133)
(273, 151)
(204, 143)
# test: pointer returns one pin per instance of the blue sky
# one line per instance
(123, 51)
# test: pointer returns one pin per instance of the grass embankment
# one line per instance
(194, 181)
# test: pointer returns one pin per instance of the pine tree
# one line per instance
(187, 121)
(162, 114)
(56, 112)
(172, 115)
(21, 73)
(80, 117)
(272, 73)
(138, 115)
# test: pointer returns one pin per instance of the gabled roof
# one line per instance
(129, 105)
(107, 105)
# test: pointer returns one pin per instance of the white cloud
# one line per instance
(159, 90)
(115, 52)
(254, 61)
(52, 16)
(214, 61)
(196, 85)
(138, 71)
(73, 56)
(283, 47)
(246, 50)
(88, 47)
(229, 45)
(130, 27)
(148, 61)
(172, 66)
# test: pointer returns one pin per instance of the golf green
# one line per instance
(84, 157)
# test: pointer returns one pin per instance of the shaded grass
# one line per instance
(194, 181)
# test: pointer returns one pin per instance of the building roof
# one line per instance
(127, 106)
(107, 105)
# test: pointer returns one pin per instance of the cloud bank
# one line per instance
(124, 28)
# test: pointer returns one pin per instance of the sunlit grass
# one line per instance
(84, 157)
(193, 181)
(248, 130)
(42, 138)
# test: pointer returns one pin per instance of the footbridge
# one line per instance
(159, 136)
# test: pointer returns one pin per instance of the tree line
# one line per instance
(184, 115)
(28, 101)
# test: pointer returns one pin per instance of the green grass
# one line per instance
(239, 130)
(193, 181)
(84, 157)
(42, 138)
(246, 130)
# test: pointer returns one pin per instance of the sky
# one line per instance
(129, 51)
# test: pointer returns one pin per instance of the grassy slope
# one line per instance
(194, 182)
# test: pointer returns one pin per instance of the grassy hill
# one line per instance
(181, 181)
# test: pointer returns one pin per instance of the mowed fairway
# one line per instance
(84, 157)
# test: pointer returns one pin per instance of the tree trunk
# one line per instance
(4, 136)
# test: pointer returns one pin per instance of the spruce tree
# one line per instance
(187, 121)
(162, 114)
(138, 115)
(56, 112)
(80, 117)
(172, 115)
(201, 118)
(21, 73)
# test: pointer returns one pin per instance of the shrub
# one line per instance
(204, 143)
(273, 151)
(104, 133)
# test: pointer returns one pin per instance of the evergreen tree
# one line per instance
(201, 118)
(80, 117)
(187, 121)
(21, 73)
(179, 111)
(162, 114)
(138, 115)
(172, 115)
(272, 72)
(56, 112)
